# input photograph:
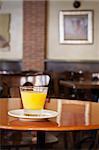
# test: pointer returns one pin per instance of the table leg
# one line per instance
(68, 140)
(40, 140)
(0, 139)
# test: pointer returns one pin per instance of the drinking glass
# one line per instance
(33, 98)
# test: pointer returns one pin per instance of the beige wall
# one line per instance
(15, 50)
(58, 51)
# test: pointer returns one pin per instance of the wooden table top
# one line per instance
(73, 115)
(86, 84)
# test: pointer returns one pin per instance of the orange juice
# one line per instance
(33, 100)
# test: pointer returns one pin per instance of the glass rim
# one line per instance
(34, 88)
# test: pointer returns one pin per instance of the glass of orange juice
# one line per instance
(33, 98)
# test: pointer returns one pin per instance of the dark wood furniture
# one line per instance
(59, 67)
(87, 84)
(57, 90)
(73, 116)
(11, 81)
(75, 85)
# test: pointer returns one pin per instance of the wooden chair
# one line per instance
(36, 79)
(75, 92)
(4, 90)
(95, 92)
(21, 80)
(41, 80)
(81, 92)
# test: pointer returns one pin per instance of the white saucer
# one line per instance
(33, 115)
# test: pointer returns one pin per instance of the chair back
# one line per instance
(26, 80)
(29, 80)
(4, 90)
(41, 80)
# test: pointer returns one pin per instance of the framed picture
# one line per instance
(11, 30)
(5, 31)
(76, 27)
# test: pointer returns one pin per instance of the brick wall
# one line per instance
(34, 35)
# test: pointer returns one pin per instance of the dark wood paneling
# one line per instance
(10, 66)
(60, 66)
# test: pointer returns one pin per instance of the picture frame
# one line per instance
(76, 27)
(11, 30)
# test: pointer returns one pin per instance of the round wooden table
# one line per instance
(73, 115)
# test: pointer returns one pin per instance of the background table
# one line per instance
(88, 87)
